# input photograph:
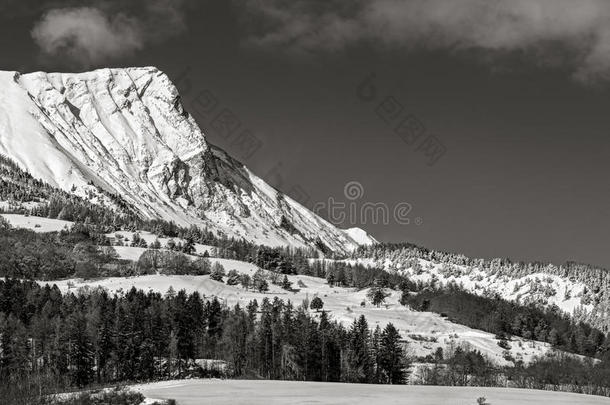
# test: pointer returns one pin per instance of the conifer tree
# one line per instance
(218, 272)
(286, 284)
(377, 296)
(316, 303)
(360, 360)
(391, 356)
(233, 277)
(245, 281)
(259, 282)
(80, 350)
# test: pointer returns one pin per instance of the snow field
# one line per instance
(423, 331)
(37, 224)
(236, 392)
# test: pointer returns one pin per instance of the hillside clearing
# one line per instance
(424, 331)
(37, 224)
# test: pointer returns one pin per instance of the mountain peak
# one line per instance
(125, 130)
(360, 236)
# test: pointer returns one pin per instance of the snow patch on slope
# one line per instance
(37, 224)
(360, 236)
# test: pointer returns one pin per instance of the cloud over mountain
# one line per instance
(573, 35)
(96, 34)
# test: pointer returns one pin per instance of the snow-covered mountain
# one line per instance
(126, 131)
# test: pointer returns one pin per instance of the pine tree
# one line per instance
(377, 295)
(218, 272)
(265, 340)
(245, 281)
(392, 356)
(171, 293)
(104, 344)
(234, 340)
(377, 355)
(259, 282)
(173, 356)
(359, 355)
(14, 347)
(286, 284)
(213, 317)
(196, 313)
(233, 277)
(189, 246)
(316, 303)
(80, 350)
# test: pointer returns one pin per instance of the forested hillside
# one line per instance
(581, 290)
(81, 339)
(95, 337)
(75, 340)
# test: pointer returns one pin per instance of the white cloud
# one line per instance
(89, 36)
(578, 31)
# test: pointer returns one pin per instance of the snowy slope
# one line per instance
(360, 236)
(424, 331)
(546, 290)
(37, 224)
(125, 130)
(542, 289)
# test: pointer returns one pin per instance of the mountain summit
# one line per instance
(126, 132)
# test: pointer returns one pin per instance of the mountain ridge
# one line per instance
(125, 130)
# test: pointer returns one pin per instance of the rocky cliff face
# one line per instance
(125, 130)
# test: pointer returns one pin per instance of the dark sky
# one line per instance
(526, 164)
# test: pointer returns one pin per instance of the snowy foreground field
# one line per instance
(234, 392)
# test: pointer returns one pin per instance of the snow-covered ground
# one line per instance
(37, 224)
(360, 236)
(127, 237)
(133, 253)
(129, 252)
(539, 288)
(237, 392)
(40, 224)
(424, 331)
(544, 289)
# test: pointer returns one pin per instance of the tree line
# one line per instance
(83, 252)
(463, 366)
(93, 337)
(595, 278)
(505, 318)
